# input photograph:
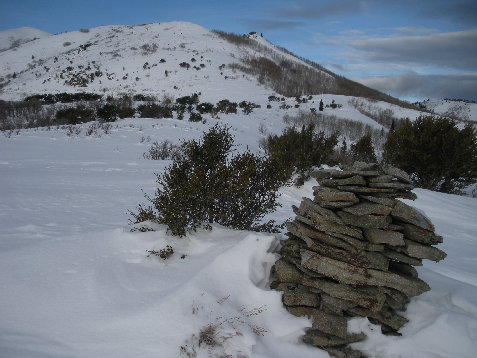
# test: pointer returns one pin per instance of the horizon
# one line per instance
(410, 50)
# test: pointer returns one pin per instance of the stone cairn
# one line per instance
(350, 252)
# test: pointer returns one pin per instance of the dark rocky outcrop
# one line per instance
(350, 252)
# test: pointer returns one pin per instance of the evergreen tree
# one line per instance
(363, 150)
(321, 105)
(438, 155)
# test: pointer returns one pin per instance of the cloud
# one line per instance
(321, 9)
(268, 24)
(451, 50)
(413, 85)
(463, 12)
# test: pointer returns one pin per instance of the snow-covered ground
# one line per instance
(75, 282)
(463, 110)
(13, 38)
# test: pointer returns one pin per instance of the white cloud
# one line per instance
(413, 85)
(455, 50)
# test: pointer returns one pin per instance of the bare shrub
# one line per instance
(162, 151)
(330, 124)
(385, 117)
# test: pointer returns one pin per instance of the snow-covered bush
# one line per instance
(205, 184)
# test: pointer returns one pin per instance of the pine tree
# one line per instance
(363, 150)
(438, 155)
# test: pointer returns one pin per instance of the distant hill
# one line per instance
(176, 58)
(10, 39)
(462, 110)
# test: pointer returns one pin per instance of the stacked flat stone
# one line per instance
(351, 252)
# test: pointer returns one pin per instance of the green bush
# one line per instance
(298, 151)
(205, 184)
(363, 150)
(126, 112)
(154, 111)
(438, 155)
(108, 112)
(205, 107)
(74, 115)
(195, 117)
(225, 106)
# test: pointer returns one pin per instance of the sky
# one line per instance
(412, 49)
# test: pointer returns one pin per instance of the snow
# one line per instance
(76, 282)
(14, 37)
(459, 109)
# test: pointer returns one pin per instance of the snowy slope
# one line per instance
(75, 282)
(13, 38)
(461, 110)
(132, 59)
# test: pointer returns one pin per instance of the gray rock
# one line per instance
(324, 322)
(365, 190)
(402, 269)
(331, 194)
(400, 194)
(308, 206)
(298, 229)
(381, 179)
(398, 256)
(420, 251)
(382, 201)
(319, 339)
(330, 324)
(327, 226)
(396, 300)
(410, 215)
(358, 258)
(286, 272)
(345, 352)
(363, 166)
(368, 209)
(354, 180)
(418, 234)
(365, 221)
(398, 174)
(368, 297)
(354, 275)
(392, 320)
(347, 243)
(391, 238)
(299, 298)
(334, 204)
(393, 185)
(335, 305)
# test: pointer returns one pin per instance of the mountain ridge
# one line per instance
(175, 58)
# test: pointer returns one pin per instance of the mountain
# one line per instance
(175, 58)
(453, 108)
(11, 39)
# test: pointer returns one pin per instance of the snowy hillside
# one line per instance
(462, 110)
(76, 282)
(173, 58)
(11, 39)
